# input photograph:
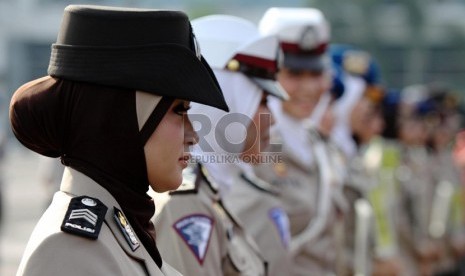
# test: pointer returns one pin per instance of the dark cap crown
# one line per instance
(141, 49)
(120, 27)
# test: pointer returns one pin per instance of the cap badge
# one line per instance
(309, 39)
(198, 53)
(356, 62)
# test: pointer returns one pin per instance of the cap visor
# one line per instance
(310, 63)
(271, 87)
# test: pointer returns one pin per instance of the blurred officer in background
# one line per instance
(356, 256)
(416, 179)
(447, 222)
(213, 227)
(332, 169)
(370, 228)
(446, 225)
(303, 175)
(457, 214)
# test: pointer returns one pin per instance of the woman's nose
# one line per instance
(190, 136)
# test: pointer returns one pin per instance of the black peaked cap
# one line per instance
(142, 49)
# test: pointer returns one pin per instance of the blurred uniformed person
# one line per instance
(304, 175)
(358, 221)
(230, 222)
(334, 169)
(370, 184)
(457, 215)
(447, 223)
(416, 179)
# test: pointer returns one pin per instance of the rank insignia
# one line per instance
(195, 231)
(84, 217)
(281, 221)
(126, 228)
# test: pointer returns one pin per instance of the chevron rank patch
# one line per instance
(281, 221)
(126, 228)
(84, 217)
(195, 231)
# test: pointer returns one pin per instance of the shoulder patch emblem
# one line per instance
(281, 221)
(126, 229)
(195, 231)
(84, 217)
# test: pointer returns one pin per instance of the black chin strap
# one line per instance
(155, 118)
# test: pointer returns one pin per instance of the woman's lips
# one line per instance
(184, 160)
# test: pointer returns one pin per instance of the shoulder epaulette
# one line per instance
(260, 184)
(84, 217)
(206, 176)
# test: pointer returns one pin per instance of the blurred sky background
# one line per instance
(414, 41)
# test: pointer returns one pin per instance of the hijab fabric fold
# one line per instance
(219, 150)
(342, 132)
(294, 134)
(95, 130)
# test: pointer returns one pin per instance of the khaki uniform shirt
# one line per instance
(359, 227)
(445, 170)
(50, 251)
(198, 235)
(257, 206)
(417, 186)
(447, 219)
(299, 189)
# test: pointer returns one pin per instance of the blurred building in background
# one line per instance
(415, 41)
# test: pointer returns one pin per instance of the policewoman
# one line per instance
(420, 225)
(205, 230)
(112, 108)
(447, 224)
(306, 75)
(372, 243)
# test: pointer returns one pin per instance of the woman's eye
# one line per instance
(181, 109)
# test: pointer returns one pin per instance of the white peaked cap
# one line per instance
(225, 38)
(289, 24)
(304, 34)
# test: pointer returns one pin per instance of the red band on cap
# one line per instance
(296, 49)
(257, 62)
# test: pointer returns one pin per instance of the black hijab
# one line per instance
(94, 129)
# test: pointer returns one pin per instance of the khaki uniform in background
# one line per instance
(447, 224)
(256, 204)
(359, 248)
(198, 235)
(299, 188)
(417, 188)
(382, 159)
(69, 254)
